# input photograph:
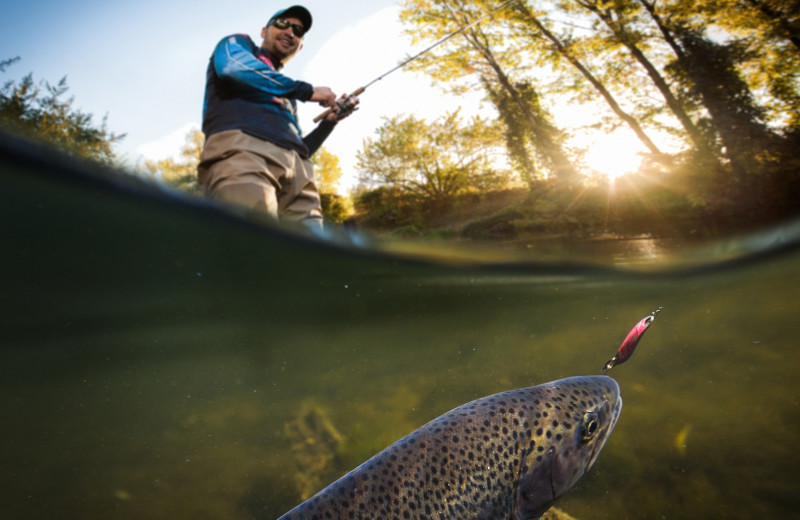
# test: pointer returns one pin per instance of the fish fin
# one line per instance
(535, 492)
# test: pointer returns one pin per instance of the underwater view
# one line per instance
(165, 359)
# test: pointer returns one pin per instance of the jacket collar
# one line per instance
(264, 55)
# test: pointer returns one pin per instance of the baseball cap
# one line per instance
(296, 11)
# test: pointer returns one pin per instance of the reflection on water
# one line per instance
(165, 362)
(642, 253)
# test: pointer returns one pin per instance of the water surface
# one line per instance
(164, 360)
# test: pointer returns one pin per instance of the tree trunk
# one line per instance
(712, 76)
(673, 103)
(546, 134)
(516, 137)
(668, 36)
(607, 96)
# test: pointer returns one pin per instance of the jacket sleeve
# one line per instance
(317, 136)
(234, 61)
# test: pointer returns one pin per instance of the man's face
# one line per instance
(282, 43)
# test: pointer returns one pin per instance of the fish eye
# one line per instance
(589, 426)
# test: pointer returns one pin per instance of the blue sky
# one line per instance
(143, 63)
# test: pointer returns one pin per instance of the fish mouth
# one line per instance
(615, 413)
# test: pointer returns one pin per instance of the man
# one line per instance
(254, 154)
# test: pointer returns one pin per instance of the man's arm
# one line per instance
(235, 61)
(317, 136)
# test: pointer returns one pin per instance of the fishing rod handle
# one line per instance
(356, 93)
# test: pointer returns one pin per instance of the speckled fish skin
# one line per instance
(505, 456)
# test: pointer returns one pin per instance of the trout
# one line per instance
(505, 456)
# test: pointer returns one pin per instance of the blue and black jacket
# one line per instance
(245, 91)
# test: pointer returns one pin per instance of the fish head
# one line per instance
(571, 422)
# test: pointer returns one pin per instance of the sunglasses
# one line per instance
(283, 24)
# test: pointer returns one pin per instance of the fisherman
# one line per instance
(254, 155)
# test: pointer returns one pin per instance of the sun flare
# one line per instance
(614, 155)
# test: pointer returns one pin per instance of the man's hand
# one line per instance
(324, 96)
(345, 106)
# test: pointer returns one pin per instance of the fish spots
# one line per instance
(472, 459)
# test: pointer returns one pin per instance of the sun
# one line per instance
(614, 155)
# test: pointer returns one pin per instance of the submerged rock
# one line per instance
(314, 442)
(556, 514)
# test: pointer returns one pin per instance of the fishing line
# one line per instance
(349, 102)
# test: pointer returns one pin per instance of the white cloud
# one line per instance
(167, 146)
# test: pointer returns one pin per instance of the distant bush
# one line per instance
(335, 208)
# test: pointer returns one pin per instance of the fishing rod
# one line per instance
(350, 100)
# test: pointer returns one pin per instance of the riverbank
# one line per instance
(521, 216)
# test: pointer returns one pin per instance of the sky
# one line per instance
(142, 64)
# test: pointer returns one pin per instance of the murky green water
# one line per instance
(156, 360)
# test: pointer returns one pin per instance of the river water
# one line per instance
(162, 359)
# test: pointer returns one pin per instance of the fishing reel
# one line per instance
(347, 106)
(343, 107)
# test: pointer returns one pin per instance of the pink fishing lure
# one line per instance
(625, 350)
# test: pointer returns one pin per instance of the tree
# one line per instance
(708, 72)
(40, 112)
(519, 142)
(782, 16)
(720, 77)
(488, 55)
(434, 161)
(181, 173)
(538, 123)
(563, 49)
(618, 17)
(6, 63)
(328, 173)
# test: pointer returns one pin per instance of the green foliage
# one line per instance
(528, 134)
(708, 73)
(180, 173)
(327, 171)
(6, 63)
(500, 226)
(486, 57)
(387, 207)
(768, 34)
(593, 210)
(721, 77)
(40, 112)
(434, 161)
(335, 207)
